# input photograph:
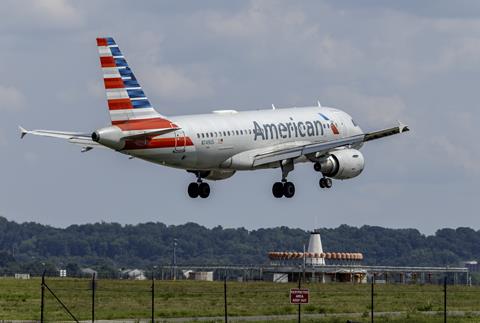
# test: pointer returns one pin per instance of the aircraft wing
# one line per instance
(77, 138)
(325, 147)
(295, 152)
(386, 132)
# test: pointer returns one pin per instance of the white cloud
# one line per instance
(376, 110)
(173, 83)
(96, 89)
(3, 139)
(41, 14)
(273, 28)
(457, 154)
(11, 98)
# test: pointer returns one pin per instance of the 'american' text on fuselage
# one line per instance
(287, 130)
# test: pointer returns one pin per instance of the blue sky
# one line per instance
(378, 60)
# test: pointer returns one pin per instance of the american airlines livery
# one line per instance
(214, 146)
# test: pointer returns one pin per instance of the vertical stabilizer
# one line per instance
(127, 103)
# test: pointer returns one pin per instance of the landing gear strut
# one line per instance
(284, 188)
(198, 188)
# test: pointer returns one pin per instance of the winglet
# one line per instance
(319, 104)
(402, 127)
(23, 132)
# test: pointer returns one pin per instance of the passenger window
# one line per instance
(198, 135)
(236, 132)
(241, 132)
(211, 134)
(203, 135)
(224, 133)
(228, 132)
(250, 131)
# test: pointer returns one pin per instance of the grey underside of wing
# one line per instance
(295, 152)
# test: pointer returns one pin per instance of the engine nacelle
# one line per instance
(110, 137)
(216, 175)
(343, 164)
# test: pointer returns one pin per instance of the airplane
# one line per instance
(215, 146)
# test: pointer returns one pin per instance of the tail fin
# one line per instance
(127, 103)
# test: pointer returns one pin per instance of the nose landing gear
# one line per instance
(325, 182)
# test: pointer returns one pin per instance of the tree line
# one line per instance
(111, 246)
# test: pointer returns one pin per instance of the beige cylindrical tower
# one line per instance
(315, 247)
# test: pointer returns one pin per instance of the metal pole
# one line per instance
(93, 297)
(42, 303)
(225, 295)
(299, 306)
(445, 299)
(304, 263)
(373, 283)
(153, 298)
(174, 259)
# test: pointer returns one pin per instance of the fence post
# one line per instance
(225, 295)
(153, 298)
(299, 306)
(445, 299)
(373, 283)
(93, 297)
(42, 302)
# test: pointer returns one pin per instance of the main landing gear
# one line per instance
(198, 188)
(284, 188)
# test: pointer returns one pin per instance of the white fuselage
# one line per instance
(229, 140)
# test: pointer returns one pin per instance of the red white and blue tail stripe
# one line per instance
(128, 105)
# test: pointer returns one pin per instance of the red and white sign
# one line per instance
(299, 296)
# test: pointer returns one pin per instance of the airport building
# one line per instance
(314, 264)
(344, 266)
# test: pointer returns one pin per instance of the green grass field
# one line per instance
(123, 299)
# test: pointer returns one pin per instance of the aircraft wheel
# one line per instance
(277, 190)
(204, 190)
(193, 190)
(328, 182)
(322, 182)
(288, 189)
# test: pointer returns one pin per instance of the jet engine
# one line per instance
(342, 164)
(110, 137)
(216, 175)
